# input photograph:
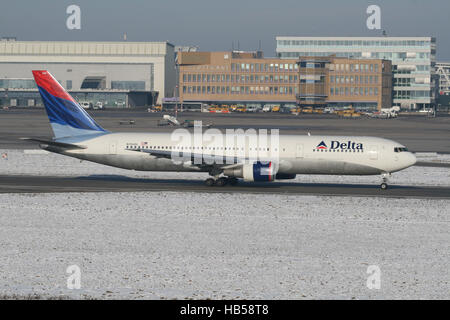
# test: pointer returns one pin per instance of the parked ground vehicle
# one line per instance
(267, 108)
(252, 109)
(99, 106)
(296, 111)
(86, 105)
(348, 113)
(307, 110)
(318, 111)
(276, 109)
(120, 103)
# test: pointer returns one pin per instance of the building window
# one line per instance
(69, 84)
(128, 85)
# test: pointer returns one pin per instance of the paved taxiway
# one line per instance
(47, 184)
(418, 133)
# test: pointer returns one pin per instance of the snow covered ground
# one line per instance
(167, 245)
(39, 162)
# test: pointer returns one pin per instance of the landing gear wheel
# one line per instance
(210, 182)
(233, 181)
(221, 182)
(384, 186)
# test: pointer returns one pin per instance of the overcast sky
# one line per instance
(215, 25)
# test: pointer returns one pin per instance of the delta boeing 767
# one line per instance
(77, 135)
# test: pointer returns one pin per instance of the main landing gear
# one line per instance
(385, 177)
(221, 182)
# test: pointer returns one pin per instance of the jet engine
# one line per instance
(257, 171)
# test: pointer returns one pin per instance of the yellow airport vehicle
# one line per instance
(276, 109)
(349, 113)
(318, 111)
(307, 110)
(342, 113)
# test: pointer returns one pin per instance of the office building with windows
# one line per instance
(237, 77)
(363, 84)
(413, 61)
(114, 73)
(247, 78)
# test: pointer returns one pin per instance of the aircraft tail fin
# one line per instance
(67, 117)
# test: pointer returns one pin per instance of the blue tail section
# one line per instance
(67, 117)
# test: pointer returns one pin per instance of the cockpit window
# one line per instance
(400, 149)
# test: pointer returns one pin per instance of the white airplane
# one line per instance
(77, 135)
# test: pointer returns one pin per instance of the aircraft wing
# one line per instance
(223, 162)
(67, 146)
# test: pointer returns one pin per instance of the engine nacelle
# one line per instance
(256, 171)
(259, 172)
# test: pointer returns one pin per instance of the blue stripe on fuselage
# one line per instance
(65, 112)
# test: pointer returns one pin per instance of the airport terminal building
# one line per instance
(413, 61)
(117, 74)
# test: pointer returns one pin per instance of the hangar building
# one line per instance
(118, 74)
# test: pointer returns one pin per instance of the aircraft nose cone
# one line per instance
(411, 160)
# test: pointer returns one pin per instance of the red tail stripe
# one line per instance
(45, 80)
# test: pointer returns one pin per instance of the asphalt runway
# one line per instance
(47, 184)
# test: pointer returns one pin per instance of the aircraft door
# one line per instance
(373, 152)
(299, 151)
(113, 147)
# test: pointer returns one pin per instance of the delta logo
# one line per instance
(322, 146)
(335, 145)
